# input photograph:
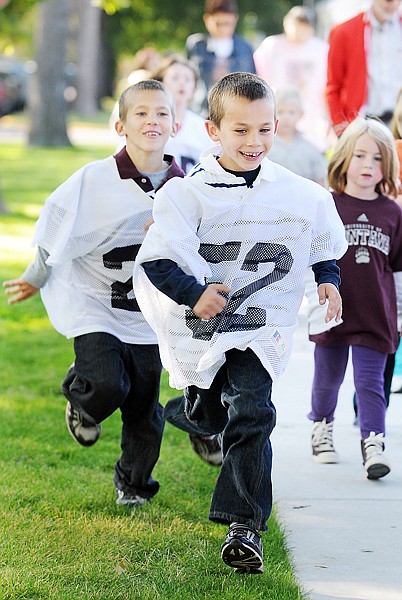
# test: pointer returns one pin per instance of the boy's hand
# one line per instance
(328, 291)
(211, 302)
(20, 289)
(148, 224)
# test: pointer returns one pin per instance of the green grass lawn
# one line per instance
(61, 534)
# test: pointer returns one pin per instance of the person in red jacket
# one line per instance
(364, 65)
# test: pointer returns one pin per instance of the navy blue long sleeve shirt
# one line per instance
(171, 280)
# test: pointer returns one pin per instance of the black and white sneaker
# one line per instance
(130, 501)
(84, 432)
(322, 443)
(375, 462)
(242, 549)
(208, 448)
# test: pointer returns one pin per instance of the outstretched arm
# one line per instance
(18, 290)
(37, 273)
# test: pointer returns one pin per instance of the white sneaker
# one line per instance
(375, 463)
(322, 444)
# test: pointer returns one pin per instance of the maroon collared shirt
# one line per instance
(128, 170)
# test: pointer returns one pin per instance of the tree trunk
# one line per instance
(89, 33)
(106, 62)
(46, 102)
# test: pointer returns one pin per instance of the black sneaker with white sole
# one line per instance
(84, 432)
(242, 549)
(130, 501)
(208, 448)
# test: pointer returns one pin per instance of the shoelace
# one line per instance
(322, 436)
(374, 445)
(239, 529)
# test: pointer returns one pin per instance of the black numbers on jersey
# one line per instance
(121, 290)
(254, 318)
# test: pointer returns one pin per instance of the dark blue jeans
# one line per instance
(238, 404)
(108, 375)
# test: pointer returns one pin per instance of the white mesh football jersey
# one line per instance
(92, 226)
(259, 241)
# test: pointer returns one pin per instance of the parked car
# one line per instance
(13, 85)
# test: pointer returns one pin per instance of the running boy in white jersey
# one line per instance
(88, 235)
(220, 279)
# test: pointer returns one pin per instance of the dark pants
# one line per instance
(108, 375)
(238, 404)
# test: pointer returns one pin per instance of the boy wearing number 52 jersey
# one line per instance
(88, 235)
(220, 279)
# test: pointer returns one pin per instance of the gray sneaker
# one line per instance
(208, 448)
(322, 444)
(242, 549)
(375, 463)
(84, 432)
(130, 501)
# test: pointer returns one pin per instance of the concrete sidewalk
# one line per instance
(345, 532)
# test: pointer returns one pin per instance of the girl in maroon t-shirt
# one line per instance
(363, 173)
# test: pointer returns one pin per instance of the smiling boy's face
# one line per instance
(149, 121)
(246, 133)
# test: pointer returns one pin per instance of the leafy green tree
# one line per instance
(126, 26)
(132, 24)
(166, 25)
(16, 20)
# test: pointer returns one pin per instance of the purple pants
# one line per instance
(368, 374)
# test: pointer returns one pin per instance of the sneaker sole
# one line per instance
(242, 558)
(132, 503)
(79, 440)
(377, 471)
(326, 458)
